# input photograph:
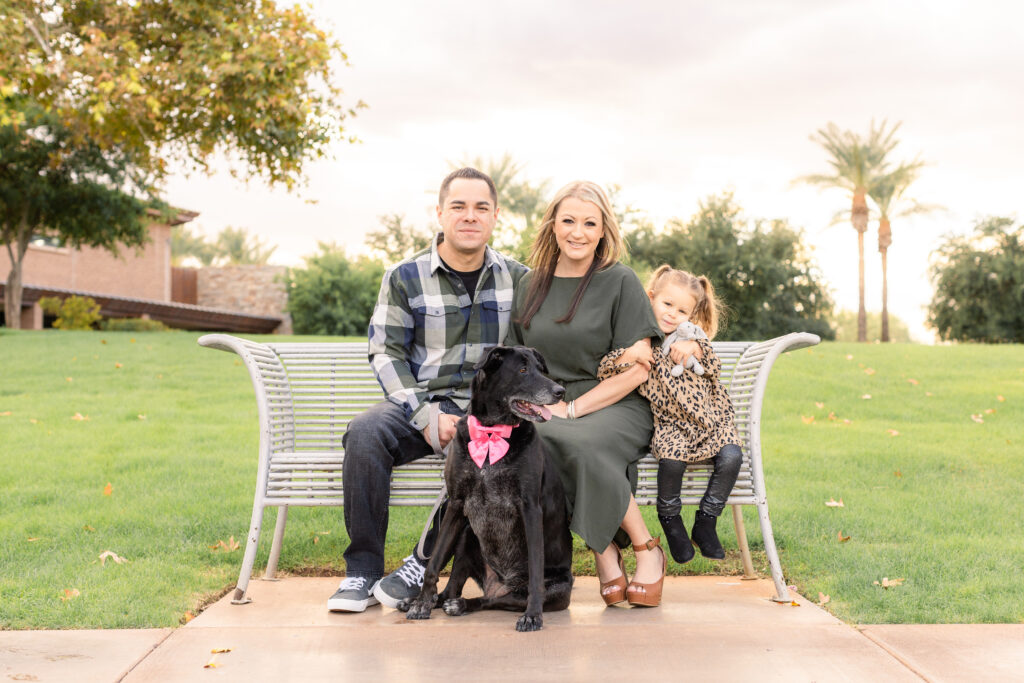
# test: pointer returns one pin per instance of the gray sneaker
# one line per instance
(402, 584)
(354, 594)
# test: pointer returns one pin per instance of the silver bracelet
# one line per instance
(570, 410)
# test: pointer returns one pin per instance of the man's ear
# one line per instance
(494, 356)
(540, 360)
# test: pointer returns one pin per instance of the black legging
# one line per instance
(670, 481)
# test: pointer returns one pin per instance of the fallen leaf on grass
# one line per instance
(977, 418)
(69, 594)
(833, 503)
(823, 599)
(1000, 398)
(70, 379)
(132, 340)
(846, 422)
(913, 381)
(898, 473)
(103, 341)
(187, 617)
(866, 397)
(892, 432)
(808, 419)
(928, 393)
(849, 356)
(108, 489)
(819, 404)
(6, 413)
(118, 365)
(78, 417)
(88, 527)
(989, 411)
(33, 538)
(232, 544)
(141, 416)
(869, 371)
(832, 416)
(889, 583)
(110, 554)
(843, 539)
(33, 420)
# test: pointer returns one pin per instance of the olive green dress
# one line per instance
(595, 454)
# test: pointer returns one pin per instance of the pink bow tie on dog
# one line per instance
(486, 441)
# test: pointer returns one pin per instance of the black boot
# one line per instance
(678, 541)
(705, 536)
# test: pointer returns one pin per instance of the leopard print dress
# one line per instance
(693, 415)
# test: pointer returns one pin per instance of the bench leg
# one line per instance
(275, 547)
(781, 591)
(240, 598)
(741, 539)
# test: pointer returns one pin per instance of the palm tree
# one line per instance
(856, 164)
(886, 190)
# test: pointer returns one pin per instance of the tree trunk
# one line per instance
(859, 218)
(884, 240)
(13, 288)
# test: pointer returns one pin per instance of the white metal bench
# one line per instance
(307, 392)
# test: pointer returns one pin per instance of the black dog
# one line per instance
(506, 520)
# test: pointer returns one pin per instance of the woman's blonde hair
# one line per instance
(544, 255)
(707, 311)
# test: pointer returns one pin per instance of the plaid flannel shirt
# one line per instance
(426, 334)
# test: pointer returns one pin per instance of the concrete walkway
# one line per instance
(709, 628)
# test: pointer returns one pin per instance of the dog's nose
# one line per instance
(559, 392)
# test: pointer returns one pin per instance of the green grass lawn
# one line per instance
(172, 428)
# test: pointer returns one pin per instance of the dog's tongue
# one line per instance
(544, 412)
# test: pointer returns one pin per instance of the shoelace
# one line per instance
(411, 572)
(352, 583)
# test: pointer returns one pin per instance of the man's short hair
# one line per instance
(470, 174)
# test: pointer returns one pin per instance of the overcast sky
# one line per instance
(671, 100)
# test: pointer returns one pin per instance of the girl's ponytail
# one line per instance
(708, 308)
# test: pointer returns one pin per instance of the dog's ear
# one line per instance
(540, 360)
(494, 356)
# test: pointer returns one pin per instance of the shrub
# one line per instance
(73, 313)
(132, 325)
(332, 294)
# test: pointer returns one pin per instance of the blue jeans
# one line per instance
(377, 441)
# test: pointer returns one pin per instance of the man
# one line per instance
(436, 315)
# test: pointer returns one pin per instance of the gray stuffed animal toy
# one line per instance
(686, 331)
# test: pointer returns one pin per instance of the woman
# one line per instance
(577, 304)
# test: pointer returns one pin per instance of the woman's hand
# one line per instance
(640, 353)
(681, 351)
(558, 409)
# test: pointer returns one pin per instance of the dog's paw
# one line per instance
(404, 605)
(418, 609)
(529, 622)
(455, 607)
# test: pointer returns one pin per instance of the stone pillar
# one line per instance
(32, 317)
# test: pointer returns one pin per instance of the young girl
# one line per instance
(693, 415)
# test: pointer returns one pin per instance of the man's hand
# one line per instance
(445, 428)
(680, 351)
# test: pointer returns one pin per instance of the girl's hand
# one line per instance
(681, 351)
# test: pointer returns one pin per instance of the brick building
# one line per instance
(138, 283)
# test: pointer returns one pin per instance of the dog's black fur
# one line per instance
(506, 523)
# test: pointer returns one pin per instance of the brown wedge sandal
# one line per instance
(614, 597)
(648, 594)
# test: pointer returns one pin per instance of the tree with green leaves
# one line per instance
(180, 80)
(54, 187)
(188, 244)
(333, 294)
(979, 284)
(395, 240)
(856, 164)
(132, 86)
(761, 269)
(889, 194)
(237, 246)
